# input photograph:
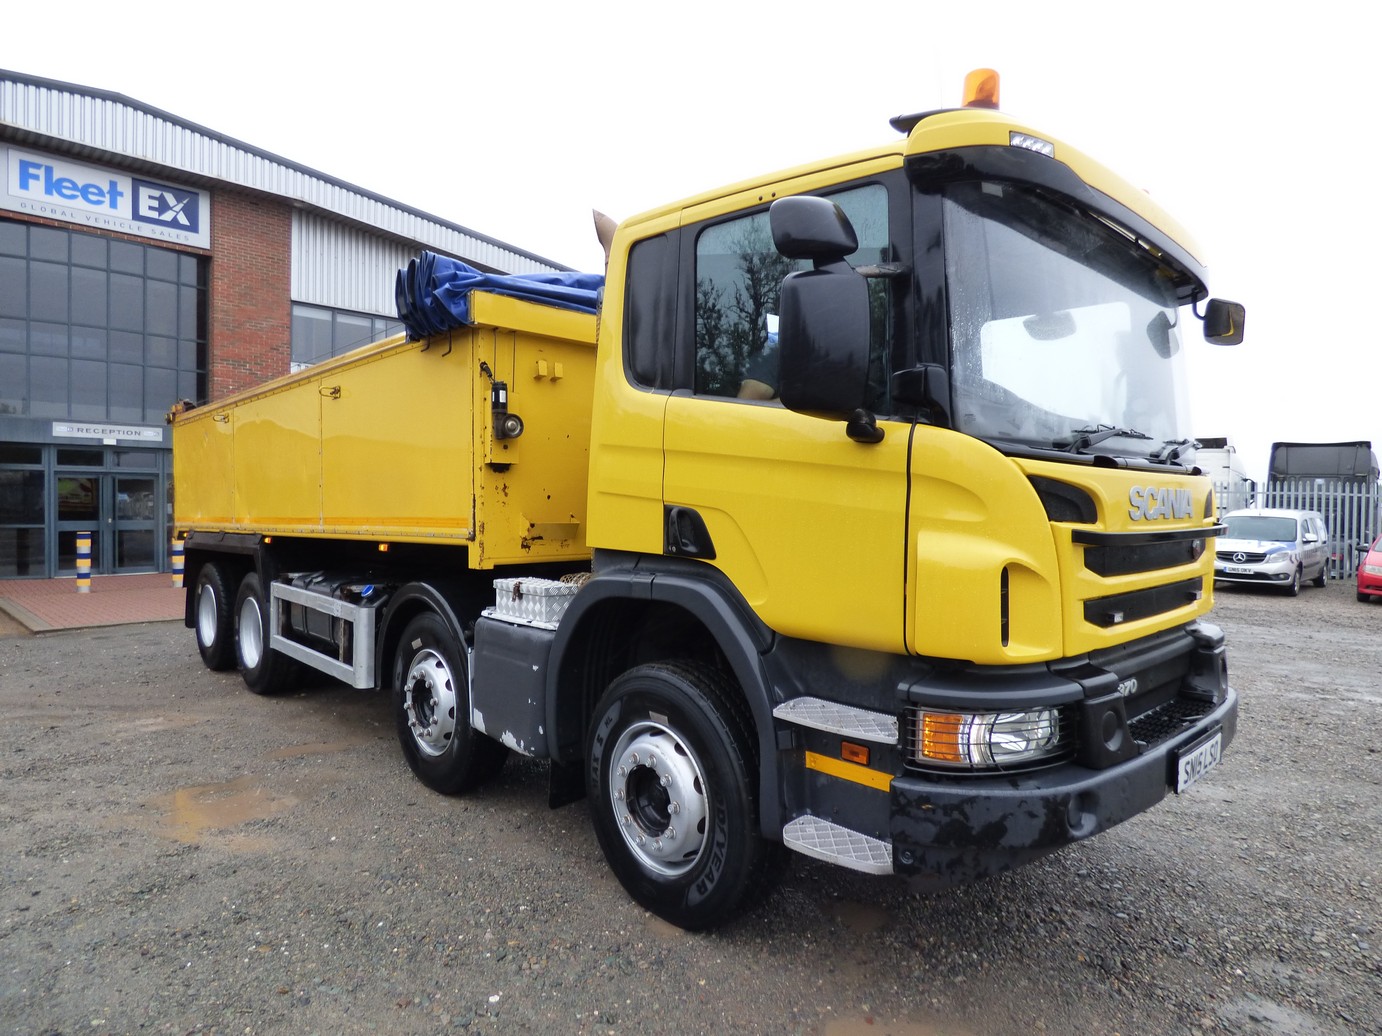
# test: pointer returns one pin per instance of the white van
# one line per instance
(1273, 546)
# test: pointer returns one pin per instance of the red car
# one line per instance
(1370, 572)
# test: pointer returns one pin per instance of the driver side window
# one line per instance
(738, 278)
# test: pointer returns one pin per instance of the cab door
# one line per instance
(808, 524)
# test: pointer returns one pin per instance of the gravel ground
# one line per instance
(178, 856)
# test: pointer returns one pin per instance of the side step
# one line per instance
(832, 843)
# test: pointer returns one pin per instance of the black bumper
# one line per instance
(949, 831)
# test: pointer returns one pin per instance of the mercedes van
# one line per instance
(1273, 547)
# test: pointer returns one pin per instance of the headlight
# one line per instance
(1281, 557)
(1373, 570)
(990, 740)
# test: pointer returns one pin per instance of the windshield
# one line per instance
(1260, 527)
(1065, 334)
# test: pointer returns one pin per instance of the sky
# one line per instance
(1250, 122)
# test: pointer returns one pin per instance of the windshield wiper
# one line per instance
(1084, 438)
(1169, 450)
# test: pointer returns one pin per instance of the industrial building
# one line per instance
(146, 260)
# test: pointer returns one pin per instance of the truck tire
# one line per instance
(214, 613)
(672, 777)
(265, 671)
(431, 704)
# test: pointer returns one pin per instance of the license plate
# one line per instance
(1194, 762)
(1237, 570)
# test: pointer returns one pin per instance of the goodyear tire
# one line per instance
(431, 704)
(214, 618)
(264, 670)
(672, 777)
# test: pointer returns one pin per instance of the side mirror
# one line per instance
(1223, 322)
(823, 323)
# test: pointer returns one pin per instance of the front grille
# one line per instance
(1141, 604)
(1150, 557)
(1127, 553)
(1241, 557)
(1168, 720)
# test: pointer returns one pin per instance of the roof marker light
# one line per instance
(1031, 143)
(981, 89)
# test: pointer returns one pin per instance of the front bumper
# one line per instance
(1270, 572)
(946, 832)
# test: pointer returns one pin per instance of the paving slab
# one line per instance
(43, 605)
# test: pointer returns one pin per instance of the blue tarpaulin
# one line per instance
(433, 292)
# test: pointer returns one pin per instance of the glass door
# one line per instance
(81, 507)
(135, 529)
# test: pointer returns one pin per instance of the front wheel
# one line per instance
(431, 704)
(672, 776)
(1293, 587)
(1323, 577)
(265, 671)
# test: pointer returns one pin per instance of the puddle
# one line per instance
(190, 814)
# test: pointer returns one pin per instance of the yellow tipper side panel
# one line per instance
(396, 443)
(203, 470)
(393, 441)
(531, 491)
(278, 459)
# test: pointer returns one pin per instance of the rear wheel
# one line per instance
(264, 670)
(672, 774)
(431, 704)
(214, 618)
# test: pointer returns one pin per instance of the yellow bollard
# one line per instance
(178, 561)
(83, 562)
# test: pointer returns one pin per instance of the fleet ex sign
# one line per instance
(102, 199)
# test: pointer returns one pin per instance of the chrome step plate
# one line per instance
(834, 718)
(832, 843)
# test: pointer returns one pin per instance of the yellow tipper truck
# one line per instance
(862, 519)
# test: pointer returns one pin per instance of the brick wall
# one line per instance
(250, 306)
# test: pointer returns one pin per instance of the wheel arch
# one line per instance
(628, 614)
(409, 601)
(234, 564)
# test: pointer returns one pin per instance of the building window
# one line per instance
(320, 333)
(96, 329)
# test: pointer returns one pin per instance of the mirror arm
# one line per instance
(862, 426)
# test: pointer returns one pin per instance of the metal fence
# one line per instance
(1351, 512)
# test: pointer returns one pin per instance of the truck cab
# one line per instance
(966, 566)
